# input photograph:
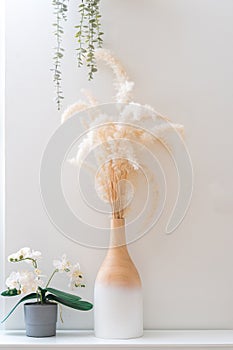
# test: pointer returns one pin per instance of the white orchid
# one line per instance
(29, 282)
(35, 254)
(12, 282)
(24, 254)
(38, 272)
(24, 281)
(76, 277)
(20, 254)
(62, 265)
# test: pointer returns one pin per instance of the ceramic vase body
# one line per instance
(40, 319)
(118, 302)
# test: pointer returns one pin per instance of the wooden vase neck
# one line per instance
(118, 268)
(117, 233)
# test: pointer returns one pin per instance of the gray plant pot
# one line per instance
(40, 319)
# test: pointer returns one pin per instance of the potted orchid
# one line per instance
(41, 315)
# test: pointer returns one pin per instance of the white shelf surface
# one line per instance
(203, 339)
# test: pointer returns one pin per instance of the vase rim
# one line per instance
(118, 220)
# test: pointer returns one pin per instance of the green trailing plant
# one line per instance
(60, 10)
(88, 35)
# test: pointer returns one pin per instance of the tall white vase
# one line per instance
(118, 302)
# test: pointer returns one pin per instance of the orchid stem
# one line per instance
(51, 278)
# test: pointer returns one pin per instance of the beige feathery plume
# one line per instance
(113, 143)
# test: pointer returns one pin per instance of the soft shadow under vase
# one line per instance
(118, 301)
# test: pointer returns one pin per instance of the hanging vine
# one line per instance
(60, 10)
(88, 36)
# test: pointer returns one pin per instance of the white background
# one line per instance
(180, 54)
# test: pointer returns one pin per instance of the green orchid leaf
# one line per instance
(27, 297)
(10, 292)
(74, 302)
(61, 294)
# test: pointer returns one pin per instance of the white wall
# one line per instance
(179, 53)
(2, 147)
